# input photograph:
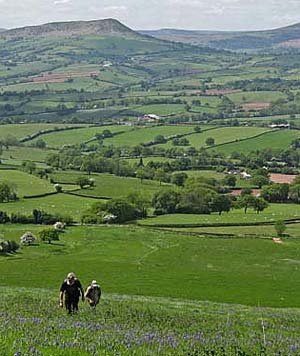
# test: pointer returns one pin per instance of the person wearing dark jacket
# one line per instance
(70, 290)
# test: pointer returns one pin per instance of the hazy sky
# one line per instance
(154, 14)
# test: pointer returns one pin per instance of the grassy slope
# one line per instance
(142, 135)
(276, 140)
(130, 260)
(20, 131)
(222, 135)
(108, 185)
(30, 321)
(60, 203)
(18, 154)
(26, 184)
(272, 213)
(58, 139)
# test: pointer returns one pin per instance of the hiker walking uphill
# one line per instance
(93, 294)
(71, 290)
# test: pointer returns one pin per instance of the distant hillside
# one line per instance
(106, 27)
(282, 37)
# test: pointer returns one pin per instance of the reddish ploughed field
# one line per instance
(282, 178)
(62, 77)
(237, 192)
(258, 105)
(221, 91)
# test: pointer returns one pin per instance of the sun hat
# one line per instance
(71, 275)
(94, 282)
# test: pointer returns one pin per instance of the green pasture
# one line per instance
(160, 109)
(147, 134)
(276, 140)
(26, 184)
(19, 154)
(148, 159)
(224, 77)
(138, 261)
(22, 130)
(256, 96)
(205, 174)
(237, 216)
(111, 186)
(222, 135)
(63, 204)
(73, 137)
(262, 231)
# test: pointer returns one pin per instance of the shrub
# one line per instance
(4, 218)
(27, 239)
(8, 246)
(49, 235)
(280, 227)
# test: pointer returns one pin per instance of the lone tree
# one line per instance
(83, 182)
(259, 204)
(221, 203)
(280, 227)
(210, 141)
(49, 235)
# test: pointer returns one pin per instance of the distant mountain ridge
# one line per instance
(105, 27)
(288, 36)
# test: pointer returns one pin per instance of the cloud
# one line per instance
(61, 2)
(151, 14)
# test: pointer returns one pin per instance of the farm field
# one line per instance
(160, 109)
(144, 135)
(277, 140)
(261, 96)
(222, 135)
(131, 260)
(241, 183)
(63, 204)
(22, 130)
(73, 137)
(237, 216)
(19, 154)
(111, 186)
(26, 184)
(266, 231)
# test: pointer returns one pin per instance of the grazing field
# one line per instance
(205, 173)
(63, 204)
(73, 137)
(237, 216)
(111, 186)
(26, 184)
(22, 130)
(147, 134)
(132, 325)
(18, 154)
(160, 109)
(276, 139)
(264, 231)
(138, 261)
(256, 96)
(223, 135)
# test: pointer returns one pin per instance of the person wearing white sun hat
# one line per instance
(93, 294)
